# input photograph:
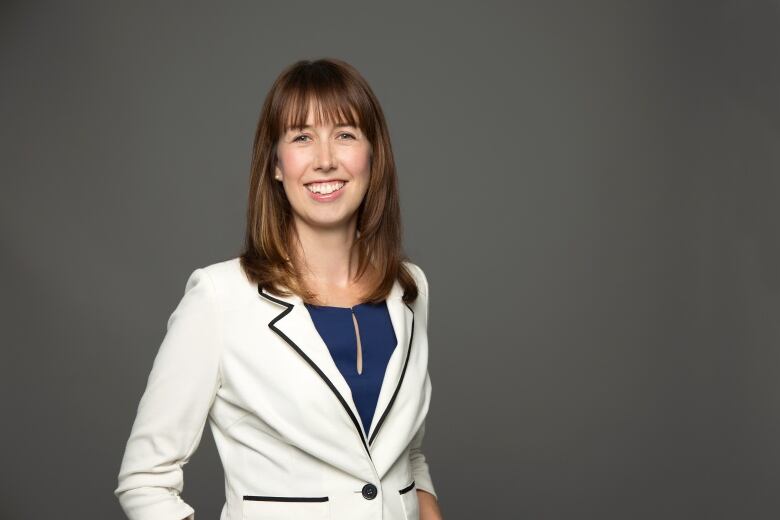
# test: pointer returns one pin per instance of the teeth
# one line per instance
(325, 187)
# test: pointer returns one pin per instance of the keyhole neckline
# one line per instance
(361, 304)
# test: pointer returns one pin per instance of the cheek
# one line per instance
(292, 163)
(358, 164)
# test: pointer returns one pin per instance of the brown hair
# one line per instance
(340, 93)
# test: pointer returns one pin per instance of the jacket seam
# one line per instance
(221, 327)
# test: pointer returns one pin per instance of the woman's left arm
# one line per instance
(421, 472)
(426, 494)
(429, 506)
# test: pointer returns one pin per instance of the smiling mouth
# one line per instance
(325, 188)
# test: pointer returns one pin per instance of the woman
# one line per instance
(308, 352)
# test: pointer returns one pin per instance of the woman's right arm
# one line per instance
(174, 407)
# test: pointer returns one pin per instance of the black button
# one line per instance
(369, 491)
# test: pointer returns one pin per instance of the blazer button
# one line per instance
(369, 492)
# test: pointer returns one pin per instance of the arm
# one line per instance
(174, 407)
(421, 473)
(426, 493)
(429, 506)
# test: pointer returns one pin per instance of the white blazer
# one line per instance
(282, 415)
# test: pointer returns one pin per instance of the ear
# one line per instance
(277, 171)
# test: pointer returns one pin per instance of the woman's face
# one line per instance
(325, 172)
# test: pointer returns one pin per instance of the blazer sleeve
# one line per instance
(173, 409)
(420, 469)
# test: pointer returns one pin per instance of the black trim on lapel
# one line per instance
(400, 380)
(289, 306)
(310, 362)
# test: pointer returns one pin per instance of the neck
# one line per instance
(326, 253)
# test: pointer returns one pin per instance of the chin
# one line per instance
(330, 221)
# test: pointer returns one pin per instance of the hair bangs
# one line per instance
(331, 103)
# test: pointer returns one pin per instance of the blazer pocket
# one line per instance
(255, 507)
(409, 502)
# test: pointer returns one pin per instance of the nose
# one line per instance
(324, 159)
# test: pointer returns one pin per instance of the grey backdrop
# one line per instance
(591, 187)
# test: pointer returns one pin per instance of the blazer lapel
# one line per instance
(402, 317)
(294, 325)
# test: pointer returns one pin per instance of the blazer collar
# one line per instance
(294, 325)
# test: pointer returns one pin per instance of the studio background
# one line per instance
(591, 187)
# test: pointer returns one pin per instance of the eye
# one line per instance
(347, 134)
(295, 139)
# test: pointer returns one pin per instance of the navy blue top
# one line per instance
(377, 340)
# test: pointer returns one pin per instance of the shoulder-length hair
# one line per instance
(339, 94)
